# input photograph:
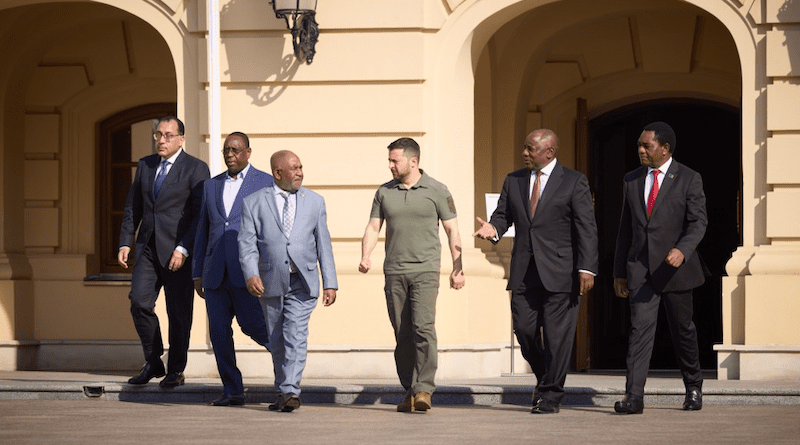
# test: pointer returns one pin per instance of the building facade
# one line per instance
(81, 81)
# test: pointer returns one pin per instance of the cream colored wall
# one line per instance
(466, 78)
(339, 114)
(758, 342)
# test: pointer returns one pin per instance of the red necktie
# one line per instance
(535, 194)
(653, 193)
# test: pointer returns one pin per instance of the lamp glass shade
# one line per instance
(290, 6)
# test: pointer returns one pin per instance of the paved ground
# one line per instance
(99, 421)
(52, 408)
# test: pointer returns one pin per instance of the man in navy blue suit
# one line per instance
(216, 270)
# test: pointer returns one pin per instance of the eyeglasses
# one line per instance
(235, 151)
(157, 136)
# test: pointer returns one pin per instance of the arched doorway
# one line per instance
(553, 65)
(66, 67)
(708, 140)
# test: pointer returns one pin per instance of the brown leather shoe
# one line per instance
(422, 401)
(406, 406)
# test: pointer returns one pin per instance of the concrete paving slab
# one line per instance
(98, 421)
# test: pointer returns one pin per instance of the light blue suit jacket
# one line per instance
(216, 244)
(264, 249)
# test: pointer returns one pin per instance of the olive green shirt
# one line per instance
(412, 223)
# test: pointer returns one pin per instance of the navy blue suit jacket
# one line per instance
(215, 244)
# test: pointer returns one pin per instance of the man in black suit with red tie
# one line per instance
(663, 220)
(163, 204)
(553, 261)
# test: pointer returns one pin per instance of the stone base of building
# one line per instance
(18, 355)
(455, 361)
(757, 362)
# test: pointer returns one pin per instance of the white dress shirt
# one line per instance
(231, 188)
(648, 180)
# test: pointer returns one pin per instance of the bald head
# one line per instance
(544, 137)
(540, 149)
(287, 170)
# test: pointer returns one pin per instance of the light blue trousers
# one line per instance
(287, 323)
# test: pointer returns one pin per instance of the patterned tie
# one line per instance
(288, 214)
(535, 193)
(160, 178)
(651, 200)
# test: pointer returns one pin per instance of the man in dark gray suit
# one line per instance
(217, 273)
(163, 203)
(663, 220)
(553, 261)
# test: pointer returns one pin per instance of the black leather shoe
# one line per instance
(234, 400)
(694, 400)
(536, 397)
(630, 404)
(286, 403)
(147, 373)
(172, 380)
(546, 407)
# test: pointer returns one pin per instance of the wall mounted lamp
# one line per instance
(304, 28)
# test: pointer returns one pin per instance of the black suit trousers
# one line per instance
(532, 307)
(644, 303)
(148, 277)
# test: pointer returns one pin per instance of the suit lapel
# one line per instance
(219, 188)
(150, 176)
(553, 183)
(277, 214)
(666, 185)
(173, 174)
(524, 192)
(639, 182)
(300, 210)
(244, 190)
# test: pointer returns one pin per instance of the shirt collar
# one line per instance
(242, 174)
(547, 170)
(664, 167)
(172, 158)
(423, 181)
(278, 190)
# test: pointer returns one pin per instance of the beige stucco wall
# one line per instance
(467, 79)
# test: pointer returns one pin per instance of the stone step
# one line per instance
(346, 393)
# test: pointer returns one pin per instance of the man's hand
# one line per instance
(198, 287)
(457, 279)
(255, 286)
(328, 296)
(122, 256)
(365, 266)
(176, 262)
(675, 258)
(486, 231)
(587, 282)
(621, 287)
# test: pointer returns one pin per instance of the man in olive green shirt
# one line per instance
(412, 204)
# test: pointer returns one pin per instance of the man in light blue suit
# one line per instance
(216, 269)
(283, 236)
